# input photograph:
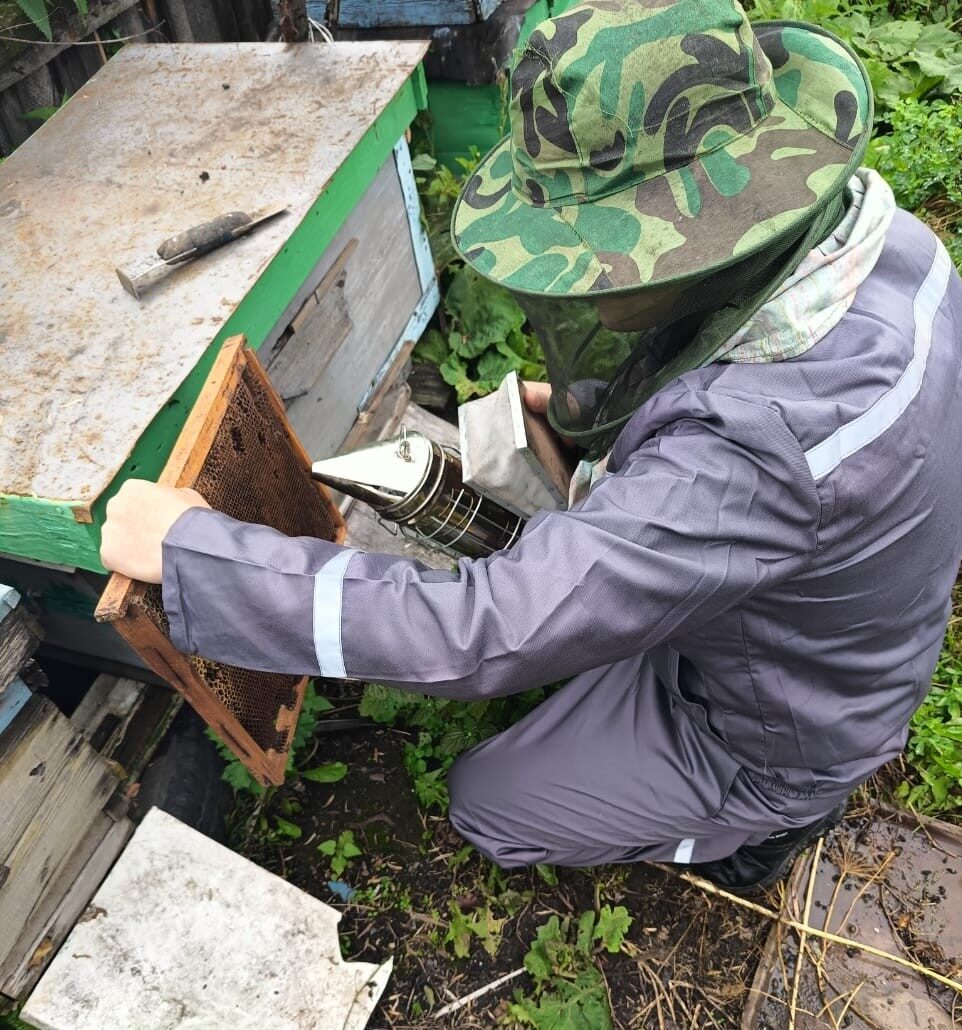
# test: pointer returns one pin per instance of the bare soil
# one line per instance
(688, 959)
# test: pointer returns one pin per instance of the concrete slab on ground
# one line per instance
(184, 933)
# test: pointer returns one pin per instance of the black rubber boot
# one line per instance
(756, 866)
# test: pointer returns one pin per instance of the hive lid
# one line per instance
(160, 139)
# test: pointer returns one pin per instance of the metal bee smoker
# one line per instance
(416, 484)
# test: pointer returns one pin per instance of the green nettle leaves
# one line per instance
(569, 990)
(934, 749)
(486, 339)
(331, 773)
(480, 924)
(38, 12)
(611, 926)
(922, 161)
(445, 729)
(341, 851)
(907, 58)
(904, 57)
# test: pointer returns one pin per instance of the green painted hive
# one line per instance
(97, 385)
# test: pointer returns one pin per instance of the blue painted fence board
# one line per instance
(9, 599)
(378, 14)
(16, 695)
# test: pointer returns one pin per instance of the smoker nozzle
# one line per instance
(418, 484)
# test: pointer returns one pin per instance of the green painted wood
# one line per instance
(465, 116)
(43, 530)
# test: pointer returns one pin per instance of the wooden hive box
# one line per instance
(466, 66)
(98, 385)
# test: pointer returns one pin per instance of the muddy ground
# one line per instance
(688, 959)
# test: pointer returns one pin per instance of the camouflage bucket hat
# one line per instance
(654, 141)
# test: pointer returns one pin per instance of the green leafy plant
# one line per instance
(237, 775)
(43, 114)
(10, 1021)
(485, 339)
(922, 161)
(934, 750)
(480, 924)
(569, 989)
(905, 57)
(38, 11)
(445, 729)
(333, 772)
(341, 852)
(482, 333)
(438, 188)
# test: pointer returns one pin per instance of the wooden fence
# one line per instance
(36, 74)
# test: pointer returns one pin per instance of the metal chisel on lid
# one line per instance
(139, 276)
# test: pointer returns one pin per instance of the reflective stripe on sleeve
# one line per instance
(328, 601)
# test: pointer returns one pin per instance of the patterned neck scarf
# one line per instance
(809, 303)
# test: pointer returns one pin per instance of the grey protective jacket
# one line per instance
(780, 540)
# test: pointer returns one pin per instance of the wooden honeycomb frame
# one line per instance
(253, 713)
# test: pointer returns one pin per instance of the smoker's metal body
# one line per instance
(416, 484)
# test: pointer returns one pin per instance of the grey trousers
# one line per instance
(612, 769)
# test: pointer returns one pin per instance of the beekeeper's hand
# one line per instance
(139, 516)
(536, 397)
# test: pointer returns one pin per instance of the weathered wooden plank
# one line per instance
(476, 53)
(40, 753)
(316, 331)
(131, 752)
(19, 636)
(52, 785)
(428, 387)
(124, 719)
(243, 19)
(204, 21)
(105, 710)
(62, 903)
(380, 289)
(73, 67)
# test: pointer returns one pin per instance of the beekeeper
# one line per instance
(760, 356)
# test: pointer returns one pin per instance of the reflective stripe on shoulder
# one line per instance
(883, 414)
(328, 600)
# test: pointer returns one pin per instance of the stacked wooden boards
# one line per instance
(63, 819)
